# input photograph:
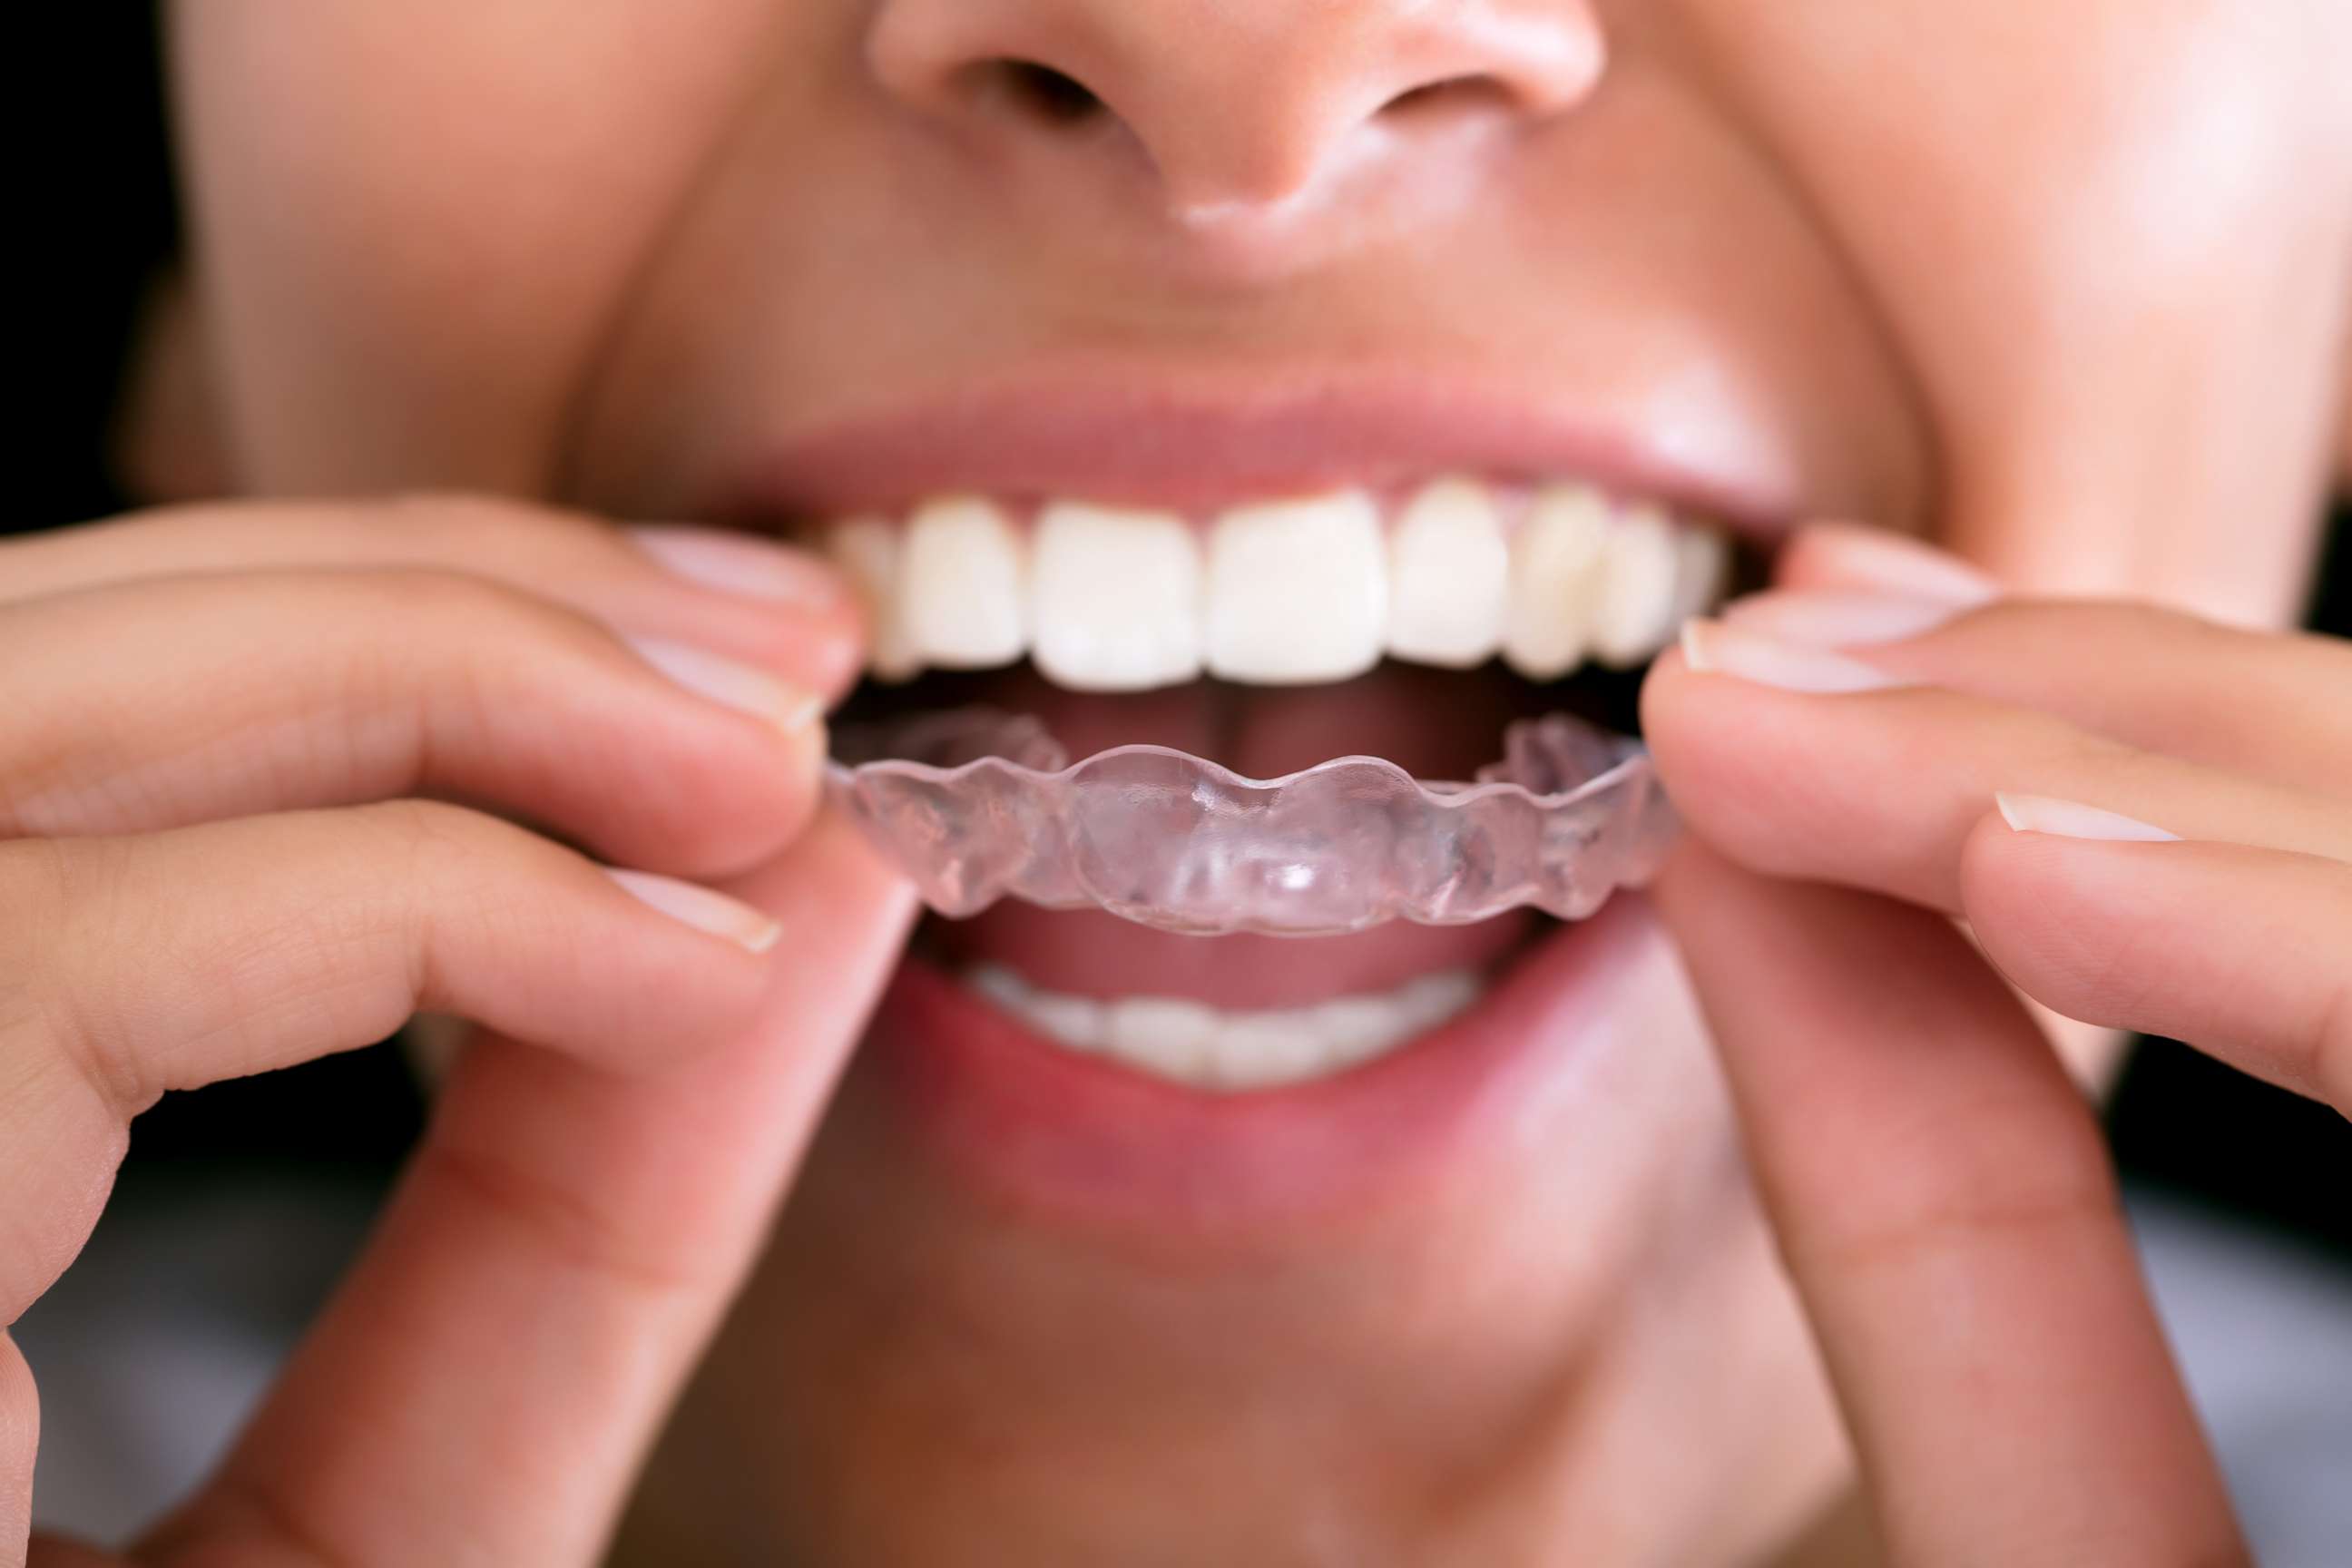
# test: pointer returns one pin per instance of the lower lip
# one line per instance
(1025, 1122)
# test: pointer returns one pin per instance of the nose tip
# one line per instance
(1240, 105)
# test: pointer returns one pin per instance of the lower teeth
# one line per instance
(1208, 1048)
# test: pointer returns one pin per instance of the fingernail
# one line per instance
(1896, 564)
(1837, 618)
(2072, 819)
(787, 707)
(743, 565)
(700, 908)
(1715, 648)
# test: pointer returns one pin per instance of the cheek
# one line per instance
(413, 222)
(2095, 233)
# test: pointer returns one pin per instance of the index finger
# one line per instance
(1944, 1204)
(1879, 787)
(757, 601)
(484, 1386)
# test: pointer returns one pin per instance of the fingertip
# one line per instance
(1683, 882)
(743, 565)
(702, 790)
(2028, 857)
(731, 683)
(2022, 894)
(1836, 553)
(1984, 862)
(669, 968)
(829, 661)
(1654, 701)
(1670, 689)
(1725, 755)
(699, 908)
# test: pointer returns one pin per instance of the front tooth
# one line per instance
(1000, 985)
(1260, 1050)
(1637, 605)
(866, 550)
(1297, 590)
(1359, 1028)
(1192, 1042)
(1166, 1034)
(1449, 577)
(1116, 598)
(1075, 1021)
(1434, 999)
(962, 593)
(1556, 560)
(1702, 571)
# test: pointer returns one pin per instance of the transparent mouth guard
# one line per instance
(975, 805)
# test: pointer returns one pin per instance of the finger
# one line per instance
(485, 1384)
(133, 966)
(1842, 556)
(2255, 702)
(20, 1434)
(160, 703)
(754, 600)
(1879, 789)
(1944, 1204)
(2239, 951)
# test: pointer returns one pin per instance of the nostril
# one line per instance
(1042, 92)
(1452, 93)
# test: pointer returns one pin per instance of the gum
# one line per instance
(975, 806)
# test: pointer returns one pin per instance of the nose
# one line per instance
(1240, 105)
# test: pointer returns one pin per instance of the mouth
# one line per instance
(1077, 1061)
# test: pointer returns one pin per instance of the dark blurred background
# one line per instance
(101, 221)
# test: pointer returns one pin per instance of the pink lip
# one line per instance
(1075, 1139)
(1146, 441)
(1081, 1139)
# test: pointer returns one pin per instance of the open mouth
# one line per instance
(1411, 624)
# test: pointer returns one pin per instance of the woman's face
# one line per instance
(2063, 286)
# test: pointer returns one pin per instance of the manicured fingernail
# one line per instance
(1715, 648)
(737, 685)
(1837, 618)
(2072, 819)
(1896, 564)
(700, 908)
(740, 564)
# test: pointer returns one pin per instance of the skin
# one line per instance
(2065, 287)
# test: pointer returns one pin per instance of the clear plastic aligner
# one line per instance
(975, 805)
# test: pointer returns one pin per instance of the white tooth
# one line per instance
(1165, 1035)
(1449, 577)
(1702, 570)
(1075, 1021)
(1297, 590)
(1434, 999)
(1259, 1050)
(866, 550)
(1357, 1029)
(1115, 598)
(1636, 607)
(1000, 985)
(1192, 1042)
(1555, 559)
(962, 590)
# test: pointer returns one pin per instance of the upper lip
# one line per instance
(1127, 437)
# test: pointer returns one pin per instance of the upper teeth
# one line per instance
(1216, 1048)
(1312, 589)
(1115, 598)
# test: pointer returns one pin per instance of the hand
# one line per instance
(2146, 821)
(230, 750)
